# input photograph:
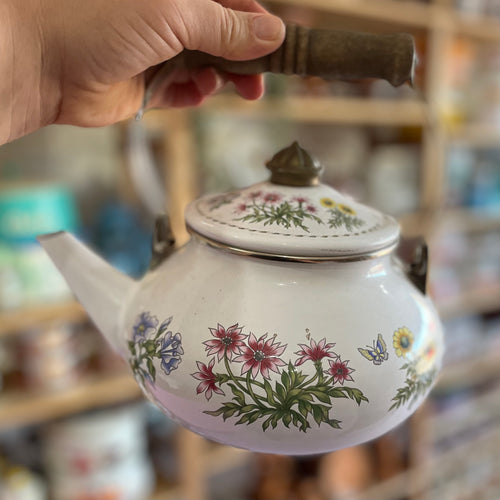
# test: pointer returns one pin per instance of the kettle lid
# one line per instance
(292, 216)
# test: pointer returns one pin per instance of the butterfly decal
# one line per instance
(377, 353)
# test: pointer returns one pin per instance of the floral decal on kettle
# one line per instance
(272, 208)
(420, 370)
(244, 366)
(341, 215)
(150, 342)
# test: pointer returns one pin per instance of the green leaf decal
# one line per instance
(272, 210)
(151, 368)
(269, 393)
(287, 419)
(321, 395)
(285, 380)
(280, 392)
(317, 414)
(416, 385)
(239, 396)
(215, 413)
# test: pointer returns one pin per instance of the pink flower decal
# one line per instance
(275, 208)
(300, 199)
(272, 197)
(255, 194)
(227, 341)
(340, 371)
(314, 351)
(240, 208)
(207, 377)
(261, 356)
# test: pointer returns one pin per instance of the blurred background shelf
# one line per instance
(328, 110)
(216, 460)
(359, 111)
(481, 301)
(429, 157)
(412, 14)
(403, 14)
(476, 136)
(471, 372)
(166, 493)
(452, 220)
(20, 408)
(12, 322)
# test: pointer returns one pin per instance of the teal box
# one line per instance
(28, 211)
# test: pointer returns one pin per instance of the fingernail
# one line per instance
(267, 27)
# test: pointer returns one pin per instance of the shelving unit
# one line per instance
(439, 22)
(462, 220)
(485, 300)
(407, 14)
(15, 321)
(469, 374)
(476, 135)
(327, 110)
(35, 407)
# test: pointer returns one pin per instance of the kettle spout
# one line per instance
(101, 289)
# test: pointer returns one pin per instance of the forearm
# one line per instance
(26, 100)
(84, 62)
(6, 72)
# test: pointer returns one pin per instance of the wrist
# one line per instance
(6, 70)
(28, 101)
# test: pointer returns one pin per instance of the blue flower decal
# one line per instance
(170, 351)
(150, 343)
(144, 326)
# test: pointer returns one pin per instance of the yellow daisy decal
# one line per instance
(402, 340)
(347, 210)
(327, 202)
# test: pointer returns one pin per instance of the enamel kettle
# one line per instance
(287, 324)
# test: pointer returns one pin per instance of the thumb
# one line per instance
(207, 26)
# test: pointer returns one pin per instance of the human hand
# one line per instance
(87, 63)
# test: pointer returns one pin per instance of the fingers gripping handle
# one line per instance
(328, 54)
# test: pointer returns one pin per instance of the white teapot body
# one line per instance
(283, 357)
(286, 325)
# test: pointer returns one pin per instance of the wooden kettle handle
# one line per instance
(329, 54)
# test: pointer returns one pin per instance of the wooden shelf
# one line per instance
(217, 459)
(486, 29)
(411, 14)
(327, 110)
(468, 220)
(405, 14)
(475, 135)
(463, 220)
(221, 458)
(480, 301)
(26, 408)
(15, 321)
(166, 493)
(469, 373)
(330, 110)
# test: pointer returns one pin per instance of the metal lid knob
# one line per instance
(294, 166)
